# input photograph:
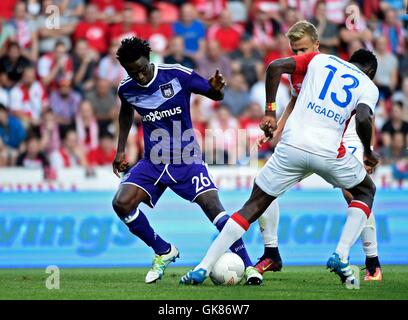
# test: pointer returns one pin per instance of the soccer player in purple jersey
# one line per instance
(160, 93)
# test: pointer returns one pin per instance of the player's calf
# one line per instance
(125, 205)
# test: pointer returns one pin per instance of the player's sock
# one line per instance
(268, 224)
(232, 231)
(372, 263)
(369, 237)
(238, 246)
(357, 214)
(140, 226)
(272, 252)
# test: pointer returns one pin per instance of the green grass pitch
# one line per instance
(128, 283)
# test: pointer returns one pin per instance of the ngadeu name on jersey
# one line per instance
(326, 112)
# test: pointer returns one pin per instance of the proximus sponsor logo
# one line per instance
(158, 115)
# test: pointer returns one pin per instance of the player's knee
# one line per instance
(121, 206)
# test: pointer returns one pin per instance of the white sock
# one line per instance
(268, 224)
(356, 220)
(231, 232)
(369, 237)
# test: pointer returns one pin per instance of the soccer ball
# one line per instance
(228, 270)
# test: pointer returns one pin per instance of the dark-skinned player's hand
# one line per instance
(120, 164)
(370, 161)
(268, 126)
(217, 81)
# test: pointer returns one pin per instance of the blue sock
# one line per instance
(238, 246)
(141, 228)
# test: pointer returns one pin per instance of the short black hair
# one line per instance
(131, 49)
(3, 107)
(366, 59)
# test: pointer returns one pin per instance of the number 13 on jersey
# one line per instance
(346, 88)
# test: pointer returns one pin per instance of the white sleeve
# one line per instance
(56, 160)
(369, 96)
(15, 99)
(44, 67)
(102, 69)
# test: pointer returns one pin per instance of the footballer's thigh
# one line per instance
(346, 173)
(140, 184)
(127, 198)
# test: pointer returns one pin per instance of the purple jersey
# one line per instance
(164, 105)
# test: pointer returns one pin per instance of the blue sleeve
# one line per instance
(176, 29)
(201, 31)
(20, 133)
(198, 84)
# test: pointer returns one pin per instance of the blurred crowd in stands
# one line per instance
(59, 74)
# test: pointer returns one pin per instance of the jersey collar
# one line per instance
(154, 76)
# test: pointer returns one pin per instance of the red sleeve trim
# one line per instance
(240, 220)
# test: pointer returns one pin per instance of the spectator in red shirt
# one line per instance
(28, 99)
(282, 50)
(7, 8)
(70, 154)
(104, 154)
(263, 29)
(127, 28)
(227, 33)
(209, 10)
(94, 31)
(157, 33)
(109, 10)
(55, 66)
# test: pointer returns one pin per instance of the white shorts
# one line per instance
(356, 149)
(289, 165)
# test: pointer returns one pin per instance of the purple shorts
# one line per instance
(186, 180)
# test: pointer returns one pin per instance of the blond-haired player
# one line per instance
(303, 38)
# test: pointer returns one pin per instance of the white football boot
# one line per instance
(160, 264)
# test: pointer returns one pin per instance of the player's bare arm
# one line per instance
(364, 128)
(126, 115)
(369, 169)
(273, 76)
(217, 83)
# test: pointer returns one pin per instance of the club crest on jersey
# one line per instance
(167, 90)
